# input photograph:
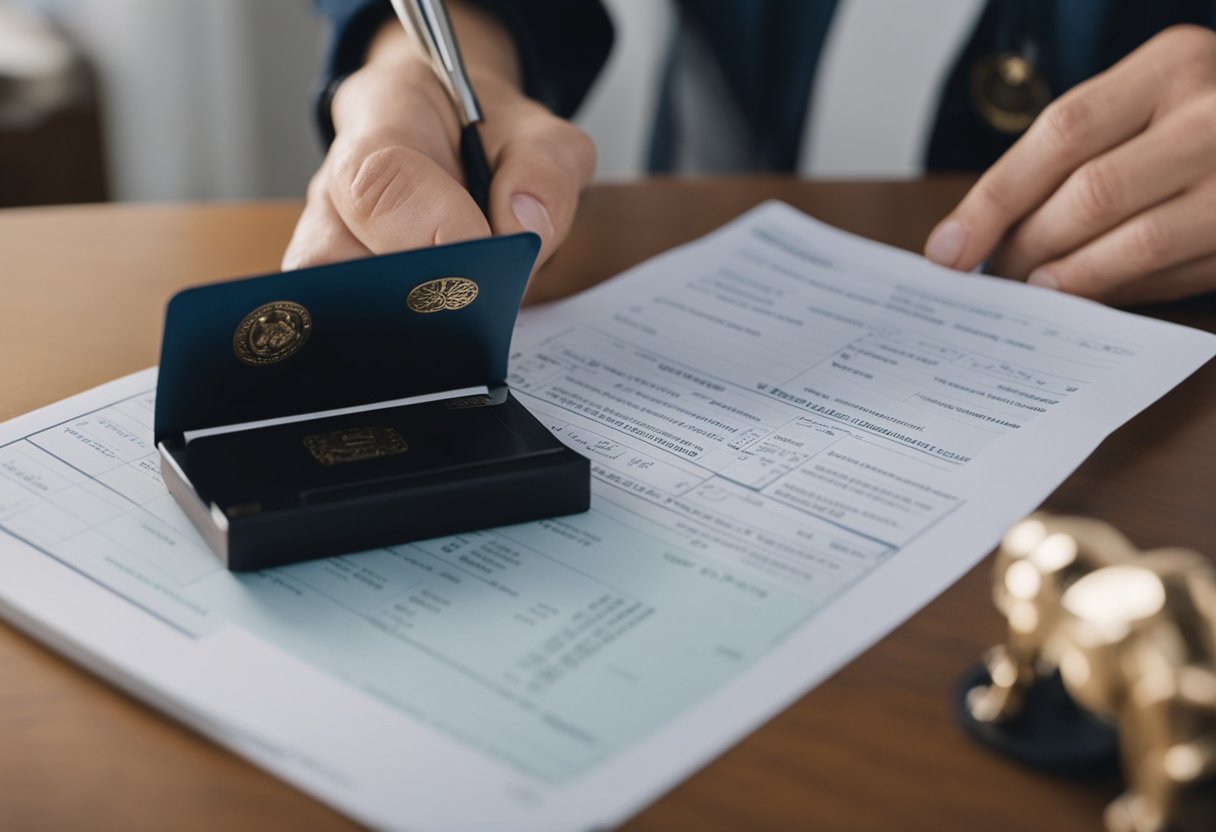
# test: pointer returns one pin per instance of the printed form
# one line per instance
(798, 438)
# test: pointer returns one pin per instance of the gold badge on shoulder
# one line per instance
(444, 294)
(271, 333)
(1009, 92)
(354, 444)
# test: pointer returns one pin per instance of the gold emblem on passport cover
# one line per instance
(271, 333)
(442, 294)
(354, 444)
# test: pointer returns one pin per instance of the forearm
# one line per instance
(488, 50)
(367, 101)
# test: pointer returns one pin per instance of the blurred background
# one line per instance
(211, 99)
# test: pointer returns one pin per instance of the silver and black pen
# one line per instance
(428, 21)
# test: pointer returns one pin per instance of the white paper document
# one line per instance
(798, 438)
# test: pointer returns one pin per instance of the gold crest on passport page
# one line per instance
(468, 402)
(354, 445)
(271, 333)
(444, 294)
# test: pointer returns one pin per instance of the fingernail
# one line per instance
(1042, 277)
(946, 243)
(532, 215)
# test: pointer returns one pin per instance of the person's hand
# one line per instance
(1111, 193)
(392, 178)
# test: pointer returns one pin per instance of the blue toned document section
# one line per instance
(547, 646)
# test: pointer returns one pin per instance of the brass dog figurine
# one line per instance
(1133, 636)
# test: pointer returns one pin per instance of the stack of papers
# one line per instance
(798, 438)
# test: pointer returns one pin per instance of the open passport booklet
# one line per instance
(797, 438)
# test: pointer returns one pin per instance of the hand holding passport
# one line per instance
(298, 441)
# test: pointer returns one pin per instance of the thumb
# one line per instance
(538, 177)
(393, 197)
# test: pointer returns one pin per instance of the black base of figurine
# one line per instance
(1052, 734)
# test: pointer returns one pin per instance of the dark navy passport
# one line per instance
(362, 404)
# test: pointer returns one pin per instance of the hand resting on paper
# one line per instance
(1111, 193)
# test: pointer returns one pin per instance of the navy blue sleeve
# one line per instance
(562, 46)
(352, 24)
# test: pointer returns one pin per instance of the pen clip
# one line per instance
(428, 21)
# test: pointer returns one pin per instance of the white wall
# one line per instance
(212, 98)
(620, 109)
(201, 98)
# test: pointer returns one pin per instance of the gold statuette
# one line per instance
(1133, 637)
(272, 333)
(354, 445)
(444, 294)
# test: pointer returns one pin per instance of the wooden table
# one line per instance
(82, 292)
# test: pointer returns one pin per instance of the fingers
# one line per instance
(392, 179)
(1104, 192)
(1174, 283)
(1088, 121)
(368, 198)
(320, 236)
(395, 197)
(1155, 242)
(538, 176)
